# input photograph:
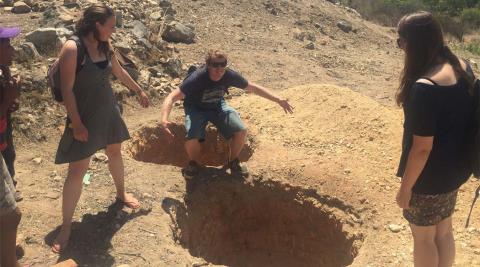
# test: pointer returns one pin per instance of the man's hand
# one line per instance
(286, 106)
(143, 99)
(166, 129)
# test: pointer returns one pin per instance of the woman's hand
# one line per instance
(143, 99)
(80, 132)
(403, 198)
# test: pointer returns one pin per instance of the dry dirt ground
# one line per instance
(322, 187)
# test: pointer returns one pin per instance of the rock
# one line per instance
(26, 53)
(473, 63)
(139, 29)
(21, 8)
(52, 195)
(145, 43)
(156, 15)
(50, 13)
(29, 240)
(57, 178)
(167, 7)
(47, 40)
(168, 18)
(123, 47)
(70, 3)
(165, 4)
(310, 46)
(302, 35)
(37, 160)
(102, 157)
(345, 26)
(173, 67)
(178, 33)
(119, 18)
(7, 2)
(67, 263)
(67, 19)
(123, 265)
(395, 228)
(30, 3)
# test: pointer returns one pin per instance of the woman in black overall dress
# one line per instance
(436, 94)
(94, 120)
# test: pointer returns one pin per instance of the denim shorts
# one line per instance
(225, 118)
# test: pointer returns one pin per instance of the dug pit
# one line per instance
(150, 144)
(235, 223)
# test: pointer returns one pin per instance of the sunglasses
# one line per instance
(218, 64)
(400, 42)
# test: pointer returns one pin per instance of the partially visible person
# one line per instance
(10, 214)
(94, 121)
(6, 133)
(436, 93)
(203, 93)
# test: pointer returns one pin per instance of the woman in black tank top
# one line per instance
(436, 95)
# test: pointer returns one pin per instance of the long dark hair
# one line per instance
(425, 47)
(87, 24)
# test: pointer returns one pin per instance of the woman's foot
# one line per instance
(129, 201)
(61, 241)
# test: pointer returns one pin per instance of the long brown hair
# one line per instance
(87, 24)
(425, 47)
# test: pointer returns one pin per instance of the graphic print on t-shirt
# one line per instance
(213, 95)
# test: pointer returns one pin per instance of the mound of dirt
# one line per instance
(329, 122)
(150, 144)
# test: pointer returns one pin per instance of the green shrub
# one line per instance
(456, 16)
(473, 47)
(471, 17)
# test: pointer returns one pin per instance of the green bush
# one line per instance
(473, 47)
(456, 16)
(471, 17)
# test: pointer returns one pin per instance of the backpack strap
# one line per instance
(469, 69)
(81, 50)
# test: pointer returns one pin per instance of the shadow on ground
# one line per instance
(231, 221)
(90, 240)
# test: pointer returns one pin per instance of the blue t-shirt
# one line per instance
(201, 91)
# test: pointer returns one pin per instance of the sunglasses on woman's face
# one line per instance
(222, 64)
(400, 42)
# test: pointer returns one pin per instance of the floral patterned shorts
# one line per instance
(427, 210)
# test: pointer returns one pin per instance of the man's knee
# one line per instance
(243, 132)
(192, 142)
